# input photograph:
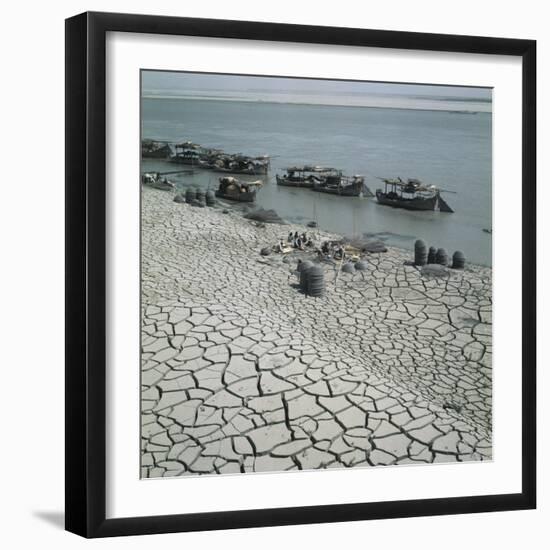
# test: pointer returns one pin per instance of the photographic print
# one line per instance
(316, 274)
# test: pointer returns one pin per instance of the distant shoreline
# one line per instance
(462, 110)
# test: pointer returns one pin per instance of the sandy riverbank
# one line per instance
(241, 372)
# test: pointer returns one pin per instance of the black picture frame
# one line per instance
(86, 274)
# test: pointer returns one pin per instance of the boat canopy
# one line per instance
(412, 185)
(188, 145)
(310, 168)
(228, 180)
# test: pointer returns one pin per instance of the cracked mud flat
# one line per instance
(242, 373)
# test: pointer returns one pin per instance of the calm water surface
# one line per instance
(449, 149)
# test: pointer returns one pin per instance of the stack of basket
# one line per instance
(441, 257)
(190, 196)
(302, 269)
(459, 260)
(201, 198)
(420, 253)
(210, 198)
(315, 281)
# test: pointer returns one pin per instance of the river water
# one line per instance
(451, 149)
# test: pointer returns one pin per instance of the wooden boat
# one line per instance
(240, 164)
(411, 195)
(187, 153)
(236, 190)
(302, 176)
(346, 186)
(155, 149)
(194, 154)
(208, 156)
(157, 181)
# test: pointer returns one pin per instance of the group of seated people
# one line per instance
(332, 250)
(294, 240)
(328, 249)
(299, 241)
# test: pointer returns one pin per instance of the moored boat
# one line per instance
(187, 153)
(302, 176)
(411, 195)
(347, 186)
(193, 154)
(240, 164)
(157, 181)
(155, 149)
(236, 190)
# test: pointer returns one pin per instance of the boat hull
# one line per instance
(186, 161)
(429, 203)
(156, 154)
(244, 171)
(163, 152)
(344, 191)
(294, 183)
(249, 196)
(161, 186)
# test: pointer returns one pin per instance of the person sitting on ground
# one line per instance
(280, 246)
(290, 237)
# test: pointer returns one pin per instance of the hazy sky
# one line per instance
(173, 82)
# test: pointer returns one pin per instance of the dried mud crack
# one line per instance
(242, 373)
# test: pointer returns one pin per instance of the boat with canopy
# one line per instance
(412, 194)
(303, 176)
(237, 190)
